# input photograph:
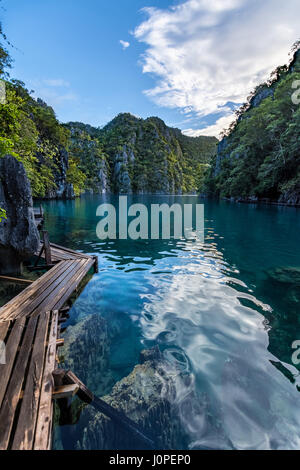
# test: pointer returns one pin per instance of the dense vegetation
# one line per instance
(137, 155)
(259, 155)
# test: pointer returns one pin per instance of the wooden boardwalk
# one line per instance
(29, 329)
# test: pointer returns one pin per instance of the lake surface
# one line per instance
(226, 312)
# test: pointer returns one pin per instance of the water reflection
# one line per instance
(219, 311)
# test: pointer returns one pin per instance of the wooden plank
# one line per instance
(11, 398)
(12, 345)
(68, 250)
(52, 295)
(96, 264)
(65, 391)
(4, 329)
(68, 377)
(15, 280)
(65, 281)
(31, 292)
(29, 305)
(73, 286)
(45, 415)
(117, 416)
(24, 433)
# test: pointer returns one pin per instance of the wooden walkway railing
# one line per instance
(30, 329)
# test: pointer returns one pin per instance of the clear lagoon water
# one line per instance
(226, 312)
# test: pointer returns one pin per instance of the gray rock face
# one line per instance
(121, 176)
(221, 154)
(145, 396)
(291, 197)
(19, 237)
(86, 349)
(64, 190)
(261, 95)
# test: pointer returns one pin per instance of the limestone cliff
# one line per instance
(140, 156)
(19, 237)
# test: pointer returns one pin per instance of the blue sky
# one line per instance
(188, 62)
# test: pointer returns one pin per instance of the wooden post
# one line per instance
(47, 247)
(96, 265)
(69, 378)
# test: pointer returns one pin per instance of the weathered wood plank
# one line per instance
(65, 391)
(31, 352)
(68, 250)
(66, 253)
(12, 345)
(31, 292)
(4, 329)
(73, 285)
(44, 418)
(43, 292)
(24, 434)
(15, 280)
(49, 300)
(12, 395)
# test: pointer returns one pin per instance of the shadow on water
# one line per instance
(226, 312)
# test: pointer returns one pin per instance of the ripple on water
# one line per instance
(224, 325)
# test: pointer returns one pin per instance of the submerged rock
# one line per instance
(146, 397)
(19, 237)
(86, 353)
(285, 275)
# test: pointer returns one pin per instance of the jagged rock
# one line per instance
(86, 349)
(146, 397)
(64, 190)
(19, 237)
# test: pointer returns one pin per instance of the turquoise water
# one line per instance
(219, 310)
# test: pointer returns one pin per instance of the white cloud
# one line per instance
(124, 44)
(54, 92)
(54, 98)
(57, 82)
(212, 130)
(206, 53)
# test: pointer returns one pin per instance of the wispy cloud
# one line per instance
(57, 82)
(206, 54)
(124, 44)
(212, 130)
(54, 92)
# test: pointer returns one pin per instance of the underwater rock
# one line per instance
(145, 396)
(19, 237)
(86, 353)
(287, 280)
(285, 275)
